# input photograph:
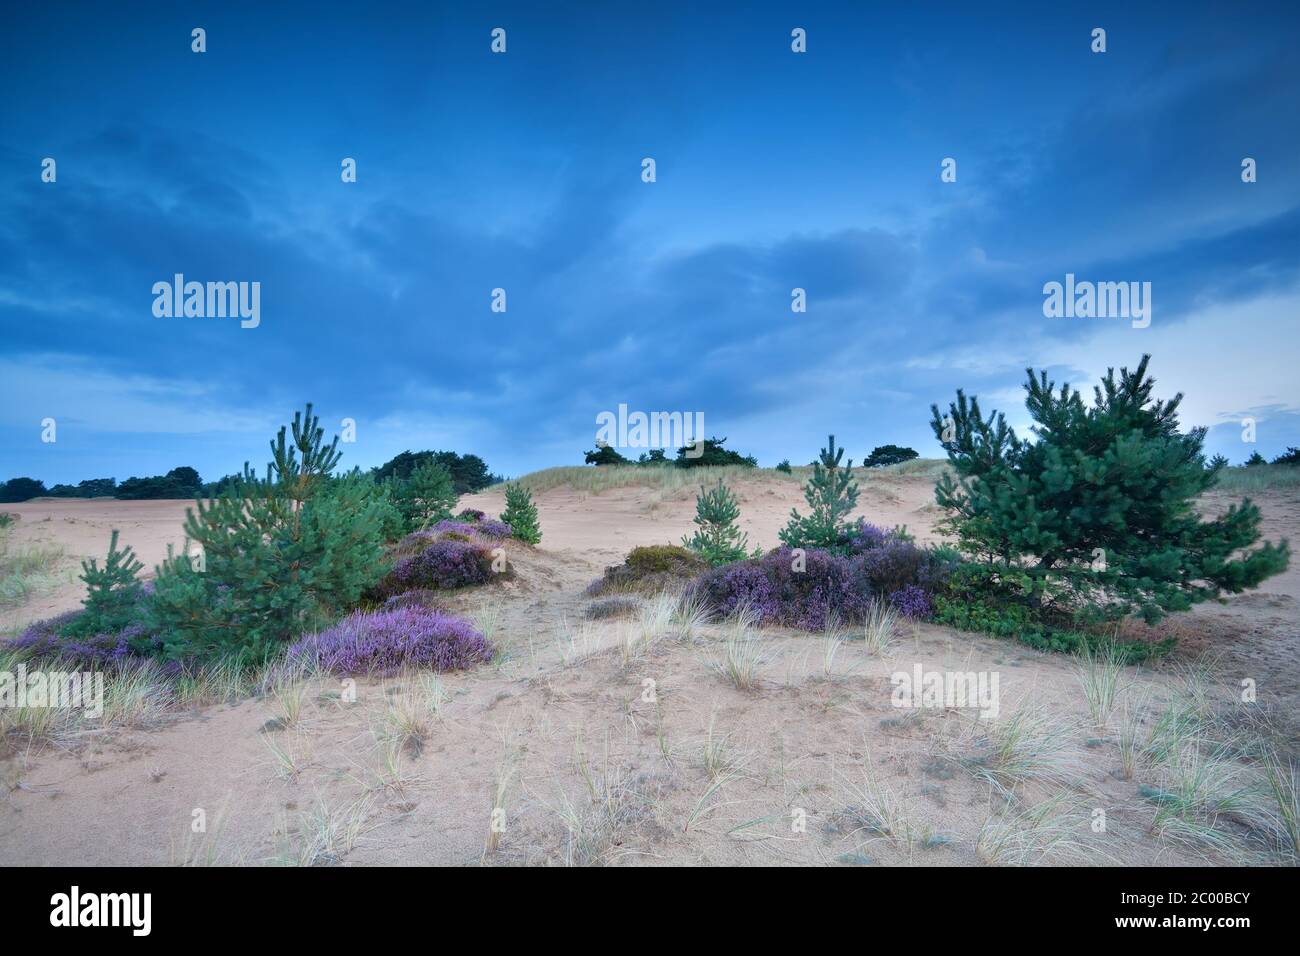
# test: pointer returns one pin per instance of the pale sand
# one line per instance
(569, 734)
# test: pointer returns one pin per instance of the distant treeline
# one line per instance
(469, 473)
(691, 456)
(714, 455)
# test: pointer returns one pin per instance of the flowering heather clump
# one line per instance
(386, 641)
(831, 586)
(826, 589)
(48, 640)
(421, 597)
(442, 565)
(743, 583)
(864, 536)
(491, 528)
(414, 543)
(912, 602)
(472, 514)
(488, 528)
(894, 565)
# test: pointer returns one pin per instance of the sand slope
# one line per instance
(596, 770)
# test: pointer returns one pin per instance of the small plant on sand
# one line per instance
(1027, 746)
(497, 818)
(25, 570)
(717, 539)
(832, 494)
(521, 514)
(740, 661)
(878, 631)
(324, 835)
(1036, 834)
(1284, 787)
(1101, 675)
(721, 761)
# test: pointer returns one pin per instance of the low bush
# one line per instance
(487, 528)
(649, 570)
(443, 565)
(808, 590)
(51, 640)
(812, 588)
(385, 642)
(114, 625)
(912, 601)
(989, 600)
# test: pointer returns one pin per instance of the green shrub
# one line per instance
(1097, 516)
(717, 539)
(426, 496)
(521, 514)
(832, 494)
(1019, 622)
(784, 466)
(650, 569)
(280, 555)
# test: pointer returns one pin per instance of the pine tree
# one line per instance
(427, 496)
(521, 514)
(832, 494)
(281, 553)
(1099, 512)
(112, 592)
(717, 539)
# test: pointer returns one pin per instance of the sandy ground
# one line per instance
(596, 749)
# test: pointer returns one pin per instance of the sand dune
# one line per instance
(813, 765)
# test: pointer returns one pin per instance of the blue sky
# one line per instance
(522, 171)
